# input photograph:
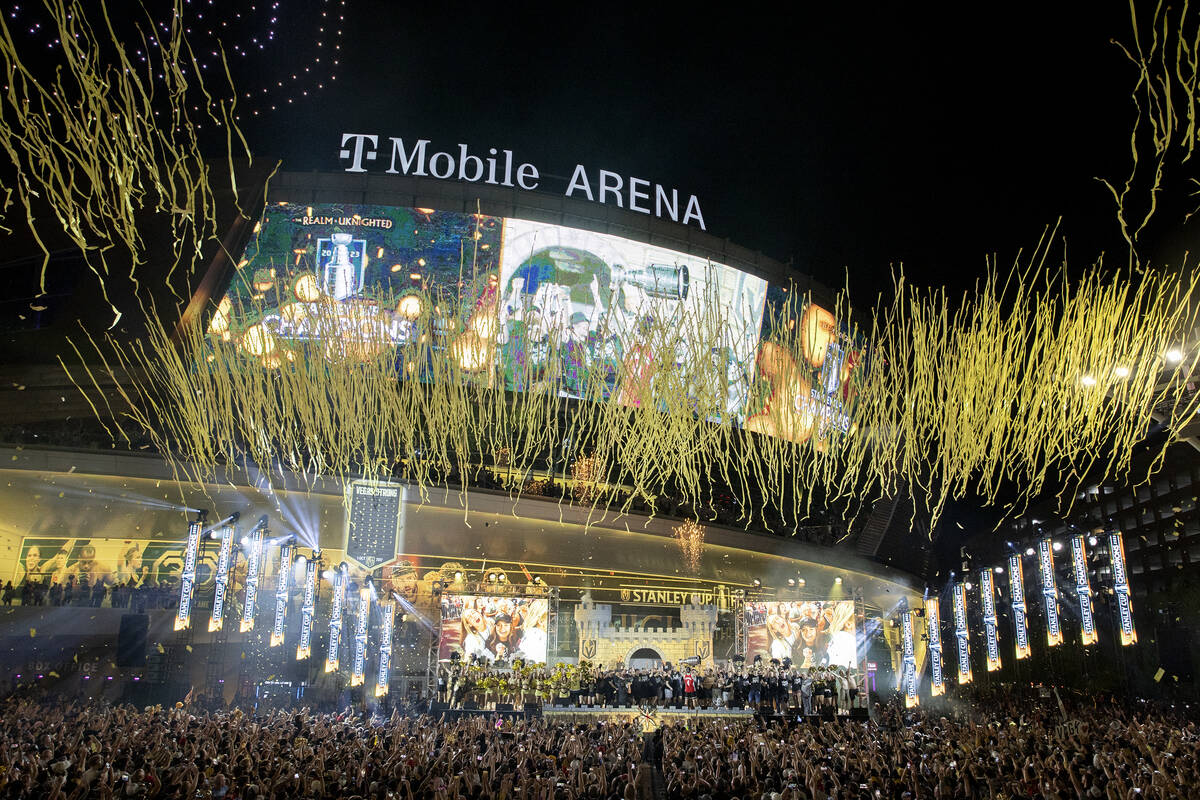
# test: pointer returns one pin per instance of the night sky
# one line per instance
(842, 138)
(848, 139)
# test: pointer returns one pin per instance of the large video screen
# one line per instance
(526, 305)
(811, 633)
(494, 628)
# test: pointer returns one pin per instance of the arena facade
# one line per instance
(615, 588)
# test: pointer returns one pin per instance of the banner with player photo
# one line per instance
(812, 633)
(107, 561)
(494, 628)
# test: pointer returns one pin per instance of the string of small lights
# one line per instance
(272, 56)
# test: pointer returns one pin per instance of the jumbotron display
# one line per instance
(810, 633)
(494, 628)
(529, 306)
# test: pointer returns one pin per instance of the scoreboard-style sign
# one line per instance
(375, 522)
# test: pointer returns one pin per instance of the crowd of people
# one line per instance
(772, 686)
(1010, 743)
(136, 595)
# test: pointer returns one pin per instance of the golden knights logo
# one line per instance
(589, 649)
(626, 594)
(703, 649)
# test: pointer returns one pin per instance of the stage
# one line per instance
(648, 718)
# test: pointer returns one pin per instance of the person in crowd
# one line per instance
(8, 593)
(99, 590)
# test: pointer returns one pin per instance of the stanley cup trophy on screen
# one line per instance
(342, 257)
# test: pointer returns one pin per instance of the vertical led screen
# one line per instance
(987, 594)
(1116, 552)
(523, 305)
(1049, 592)
(1083, 590)
(811, 633)
(933, 622)
(962, 633)
(1016, 578)
(494, 628)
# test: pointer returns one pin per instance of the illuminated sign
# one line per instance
(1049, 592)
(933, 623)
(962, 633)
(283, 584)
(385, 648)
(224, 560)
(1116, 552)
(254, 559)
(187, 578)
(358, 673)
(335, 620)
(1016, 580)
(308, 610)
(1083, 588)
(499, 168)
(987, 593)
(909, 672)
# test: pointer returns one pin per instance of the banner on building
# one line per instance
(254, 557)
(909, 669)
(933, 622)
(283, 585)
(359, 672)
(1083, 589)
(961, 633)
(308, 609)
(187, 578)
(385, 647)
(1116, 552)
(332, 657)
(1016, 582)
(216, 620)
(987, 593)
(1049, 592)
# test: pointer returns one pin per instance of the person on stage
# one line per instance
(689, 688)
